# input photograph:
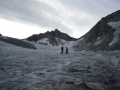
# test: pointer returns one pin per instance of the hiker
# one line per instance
(66, 50)
(62, 49)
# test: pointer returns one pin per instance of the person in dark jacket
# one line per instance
(62, 49)
(66, 50)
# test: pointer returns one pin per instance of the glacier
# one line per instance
(47, 69)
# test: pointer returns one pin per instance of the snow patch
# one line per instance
(114, 24)
(61, 42)
(98, 41)
(65, 43)
(43, 47)
(77, 42)
(43, 41)
(116, 38)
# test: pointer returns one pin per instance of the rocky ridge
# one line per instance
(17, 42)
(53, 37)
(101, 35)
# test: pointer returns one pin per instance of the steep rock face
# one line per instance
(51, 36)
(101, 35)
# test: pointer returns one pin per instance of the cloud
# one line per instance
(92, 7)
(32, 12)
(72, 17)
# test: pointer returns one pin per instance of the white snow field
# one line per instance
(47, 69)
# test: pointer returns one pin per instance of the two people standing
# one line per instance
(62, 48)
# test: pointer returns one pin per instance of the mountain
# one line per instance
(17, 42)
(53, 38)
(105, 35)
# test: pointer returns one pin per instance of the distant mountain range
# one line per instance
(105, 35)
(54, 38)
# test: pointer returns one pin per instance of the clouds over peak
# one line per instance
(67, 15)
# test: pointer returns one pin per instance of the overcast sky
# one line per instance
(22, 18)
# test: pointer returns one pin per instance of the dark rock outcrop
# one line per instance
(100, 36)
(51, 37)
(17, 42)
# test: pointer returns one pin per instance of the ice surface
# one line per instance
(47, 69)
(113, 57)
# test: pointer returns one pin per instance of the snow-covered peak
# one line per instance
(52, 35)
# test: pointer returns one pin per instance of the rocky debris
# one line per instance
(65, 86)
(95, 86)
(1, 68)
(96, 77)
(73, 70)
